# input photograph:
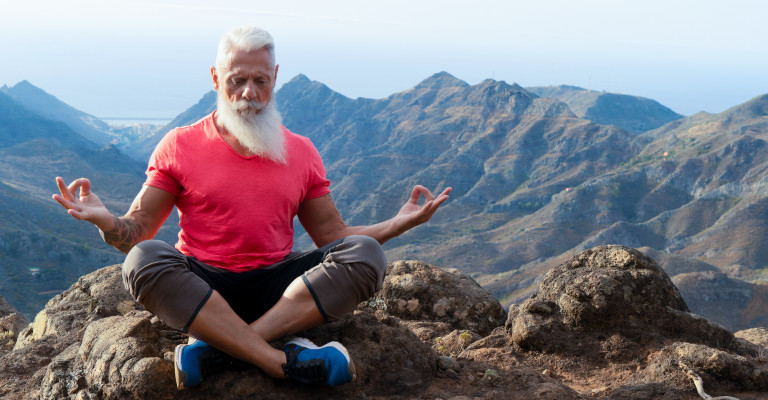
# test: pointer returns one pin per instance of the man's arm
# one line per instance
(148, 211)
(324, 224)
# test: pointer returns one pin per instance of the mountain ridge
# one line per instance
(47, 105)
(534, 182)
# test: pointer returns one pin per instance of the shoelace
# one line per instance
(309, 372)
(212, 361)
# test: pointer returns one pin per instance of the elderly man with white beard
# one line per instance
(232, 282)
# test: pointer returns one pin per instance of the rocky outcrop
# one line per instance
(758, 336)
(416, 291)
(608, 323)
(615, 304)
(11, 324)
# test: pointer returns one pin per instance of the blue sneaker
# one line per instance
(196, 360)
(328, 365)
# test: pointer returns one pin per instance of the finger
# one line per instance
(440, 200)
(69, 205)
(76, 184)
(415, 194)
(435, 202)
(85, 188)
(417, 191)
(77, 214)
(63, 188)
(430, 207)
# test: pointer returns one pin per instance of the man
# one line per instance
(238, 178)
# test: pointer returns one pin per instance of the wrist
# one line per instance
(106, 223)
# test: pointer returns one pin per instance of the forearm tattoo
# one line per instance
(124, 235)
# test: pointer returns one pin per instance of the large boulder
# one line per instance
(615, 304)
(94, 342)
(96, 295)
(130, 357)
(605, 291)
(417, 291)
(60, 326)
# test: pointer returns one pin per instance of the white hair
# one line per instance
(246, 37)
(257, 126)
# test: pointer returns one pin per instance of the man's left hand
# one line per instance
(412, 214)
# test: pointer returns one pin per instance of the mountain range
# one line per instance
(537, 175)
(42, 249)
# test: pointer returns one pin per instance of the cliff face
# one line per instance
(607, 323)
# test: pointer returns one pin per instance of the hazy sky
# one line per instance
(121, 58)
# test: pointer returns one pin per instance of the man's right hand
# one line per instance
(87, 206)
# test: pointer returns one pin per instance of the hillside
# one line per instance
(534, 183)
(43, 249)
(49, 107)
(631, 113)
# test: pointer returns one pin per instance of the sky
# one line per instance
(152, 59)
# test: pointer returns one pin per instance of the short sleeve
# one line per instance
(161, 169)
(318, 184)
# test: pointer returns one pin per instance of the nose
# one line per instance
(249, 91)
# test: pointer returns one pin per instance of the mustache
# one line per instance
(244, 106)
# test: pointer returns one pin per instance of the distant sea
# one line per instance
(134, 121)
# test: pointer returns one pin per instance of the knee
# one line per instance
(141, 262)
(372, 255)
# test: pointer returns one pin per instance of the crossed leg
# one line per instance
(294, 312)
(160, 278)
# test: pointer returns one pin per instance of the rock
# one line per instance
(93, 342)
(612, 300)
(58, 327)
(414, 290)
(11, 324)
(428, 331)
(720, 370)
(96, 295)
(445, 363)
(758, 336)
(455, 342)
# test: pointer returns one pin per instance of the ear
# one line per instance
(215, 77)
(274, 82)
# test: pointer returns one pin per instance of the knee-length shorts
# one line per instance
(175, 287)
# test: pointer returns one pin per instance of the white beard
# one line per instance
(258, 127)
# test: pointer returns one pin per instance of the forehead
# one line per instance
(241, 61)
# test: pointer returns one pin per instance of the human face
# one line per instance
(247, 75)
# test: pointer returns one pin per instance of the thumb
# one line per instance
(85, 188)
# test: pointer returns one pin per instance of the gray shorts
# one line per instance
(174, 286)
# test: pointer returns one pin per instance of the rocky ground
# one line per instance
(607, 323)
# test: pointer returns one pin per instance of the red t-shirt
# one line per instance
(235, 212)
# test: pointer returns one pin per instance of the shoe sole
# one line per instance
(181, 377)
(303, 342)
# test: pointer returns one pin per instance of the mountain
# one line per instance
(631, 113)
(536, 179)
(42, 248)
(49, 107)
(534, 182)
(143, 148)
